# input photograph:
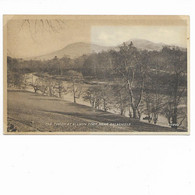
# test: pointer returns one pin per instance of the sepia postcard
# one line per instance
(96, 74)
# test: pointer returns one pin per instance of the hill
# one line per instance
(80, 48)
(73, 50)
(146, 45)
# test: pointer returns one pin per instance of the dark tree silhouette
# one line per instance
(176, 62)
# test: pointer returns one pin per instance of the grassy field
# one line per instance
(30, 112)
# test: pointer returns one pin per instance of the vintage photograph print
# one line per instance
(73, 74)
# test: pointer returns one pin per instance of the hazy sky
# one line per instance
(26, 40)
(113, 35)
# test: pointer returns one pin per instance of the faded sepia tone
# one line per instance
(96, 74)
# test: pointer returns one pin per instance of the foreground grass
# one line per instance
(30, 112)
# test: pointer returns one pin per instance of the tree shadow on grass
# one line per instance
(106, 117)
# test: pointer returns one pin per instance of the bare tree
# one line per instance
(120, 98)
(98, 96)
(43, 86)
(89, 95)
(153, 99)
(15, 76)
(105, 96)
(130, 64)
(60, 88)
(176, 83)
(51, 85)
(36, 85)
(148, 106)
(76, 79)
(153, 103)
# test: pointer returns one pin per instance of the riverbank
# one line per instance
(31, 112)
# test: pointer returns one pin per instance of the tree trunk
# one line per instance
(35, 89)
(130, 115)
(60, 95)
(174, 118)
(134, 112)
(139, 113)
(105, 109)
(122, 111)
(121, 105)
(155, 118)
(75, 99)
(74, 93)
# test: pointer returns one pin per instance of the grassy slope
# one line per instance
(32, 112)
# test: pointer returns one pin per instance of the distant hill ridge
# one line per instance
(73, 50)
(80, 48)
(146, 45)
